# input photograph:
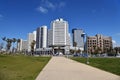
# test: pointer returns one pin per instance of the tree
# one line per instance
(9, 42)
(99, 50)
(110, 50)
(117, 49)
(32, 46)
(105, 50)
(14, 40)
(78, 51)
(4, 38)
(94, 49)
(71, 51)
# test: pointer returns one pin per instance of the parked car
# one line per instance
(118, 56)
(84, 55)
(76, 55)
(104, 55)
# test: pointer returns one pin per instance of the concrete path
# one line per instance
(60, 68)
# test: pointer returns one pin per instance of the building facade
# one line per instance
(99, 43)
(42, 41)
(59, 37)
(50, 37)
(31, 37)
(24, 46)
(78, 38)
(41, 37)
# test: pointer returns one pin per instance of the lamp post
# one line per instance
(83, 35)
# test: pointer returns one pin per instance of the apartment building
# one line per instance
(98, 43)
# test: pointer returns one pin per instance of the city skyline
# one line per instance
(19, 17)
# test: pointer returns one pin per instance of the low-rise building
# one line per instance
(99, 43)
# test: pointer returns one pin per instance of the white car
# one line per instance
(118, 56)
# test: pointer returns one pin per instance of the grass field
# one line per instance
(108, 64)
(21, 67)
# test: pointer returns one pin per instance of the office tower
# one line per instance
(78, 38)
(31, 37)
(99, 43)
(41, 38)
(59, 34)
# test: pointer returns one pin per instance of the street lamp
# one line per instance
(83, 35)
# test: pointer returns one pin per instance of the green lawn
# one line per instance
(21, 67)
(108, 64)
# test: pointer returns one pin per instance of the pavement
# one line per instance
(61, 68)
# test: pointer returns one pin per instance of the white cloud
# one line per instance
(47, 5)
(113, 41)
(42, 9)
(50, 5)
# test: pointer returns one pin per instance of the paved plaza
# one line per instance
(61, 68)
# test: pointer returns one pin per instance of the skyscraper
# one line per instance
(78, 38)
(41, 38)
(60, 35)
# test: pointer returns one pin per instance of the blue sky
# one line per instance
(19, 17)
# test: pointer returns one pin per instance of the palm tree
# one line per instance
(14, 40)
(94, 49)
(32, 46)
(71, 51)
(9, 41)
(116, 50)
(78, 51)
(99, 50)
(4, 38)
(75, 45)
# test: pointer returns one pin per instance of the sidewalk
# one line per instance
(60, 68)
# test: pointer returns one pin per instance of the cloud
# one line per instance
(42, 9)
(47, 6)
(50, 5)
(113, 41)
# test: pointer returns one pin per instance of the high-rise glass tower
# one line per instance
(78, 38)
